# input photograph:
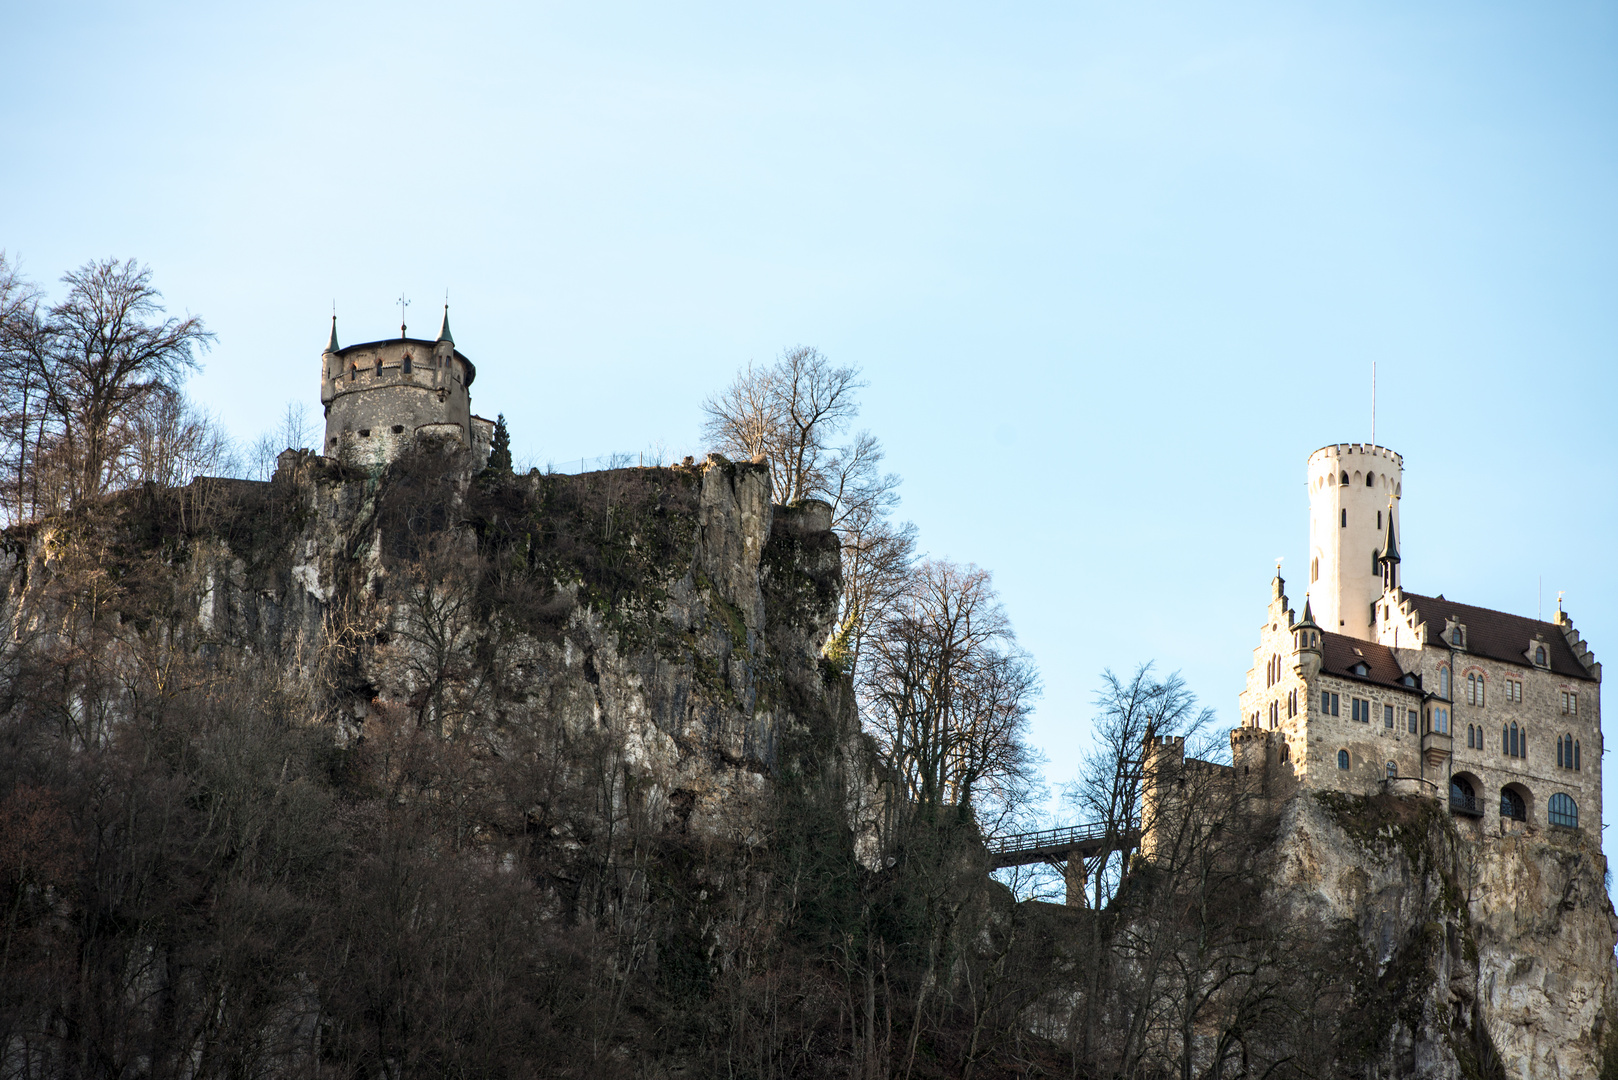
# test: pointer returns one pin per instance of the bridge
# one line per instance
(1071, 844)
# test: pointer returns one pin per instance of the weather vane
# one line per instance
(403, 303)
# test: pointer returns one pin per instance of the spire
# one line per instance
(443, 333)
(1390, 549)
(1308, 614)
(331, 346)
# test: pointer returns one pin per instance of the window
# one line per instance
(1292, 704)
(1440, 721)
(398, 429)
(1513, 690)
(1570, 703)
(1567, 752)
(1474, 689)
(1328, 703)
(1275, 714)
(1345, 514)
(407, 364)
(1470, 737)
(1370, 479)
(1379, 520)
(1414, 721)
(1514, 741)
(1314, 570)
(1564, 811)
(1512, 806)
(1443, 683)
(1387, 717)
(1362, 710)
(1392, 772)
(1376, 561)
(1539, 654)
(1345, 477)
(1457, 637)
(365, 433)
(1462, 797)
(1342, 759)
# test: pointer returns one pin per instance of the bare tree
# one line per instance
(293, 433)
(948, 692)
(171, 443)
(1130, 713)
(795, 413)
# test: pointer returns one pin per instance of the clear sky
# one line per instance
(1112, 270)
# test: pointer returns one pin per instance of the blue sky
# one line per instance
(1112, 271)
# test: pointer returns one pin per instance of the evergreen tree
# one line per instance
(500, 447)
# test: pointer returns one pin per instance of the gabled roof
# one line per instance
(1497, 635)
(1339, 654)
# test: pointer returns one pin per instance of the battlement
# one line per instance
(1341, 450)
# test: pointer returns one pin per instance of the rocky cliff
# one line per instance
(1472, 955)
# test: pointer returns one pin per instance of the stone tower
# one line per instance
(382, 396)
(1354, 491)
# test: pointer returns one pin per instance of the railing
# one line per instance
(1465, 804)
(1050, 839)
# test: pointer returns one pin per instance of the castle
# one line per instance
(384, 396)
(1374, 688)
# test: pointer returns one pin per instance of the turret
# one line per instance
(1306, 642)
(1354, 493)
(1388, 557)
(444, 347)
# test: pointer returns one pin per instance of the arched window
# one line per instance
(1559, 764)
(1443, 683)
(1314, 569)
(1370, 480)
(1539, 653)
(1392, 772)
(1345, 514)
(1286, 751)
(1576, 756)
(1563, 811)
(1275, 714)
(1469, 736)
(407, 364)
(1512, 806)
(1457, 637)
(1345, 477)
(1462, 797)
(1292, 704)
(1342, 759)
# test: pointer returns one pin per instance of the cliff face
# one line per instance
(1477, 955)
(671, 618)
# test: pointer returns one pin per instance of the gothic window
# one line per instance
(1576, 755)
(1392, 772)
(1564, 811)
(1370, 479)
(1469, 736)
(1564, 760)
(407, 364)
(1275, 714)
(1345, 477)
(1514, 741)
(1457, 637)
(1539, 656)
(1443, 683)
(1474, 689)
(1292, 704)
(1342, 759)
(1512, 806)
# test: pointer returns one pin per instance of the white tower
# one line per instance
(1353, 487)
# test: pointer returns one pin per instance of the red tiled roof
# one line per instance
(1497, 635)
(1339, 653)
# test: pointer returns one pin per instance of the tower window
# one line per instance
(1292, 704)
(1345, 477)
(365, 433)
(1314, 570)
(1564, 811)
(1379, 519)
(1376, 561)
(407, 364)
(1342, 759)
(1370, 479)
(398, 429)
(1345, 514)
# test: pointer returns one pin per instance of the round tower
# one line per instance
(1354, 492)
(382, 395)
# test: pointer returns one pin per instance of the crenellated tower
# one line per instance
(1354, 493)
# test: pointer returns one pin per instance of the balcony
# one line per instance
(1436, 749)
(1465, 804)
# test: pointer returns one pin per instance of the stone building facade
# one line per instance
(382, 396)
(1496, 713)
